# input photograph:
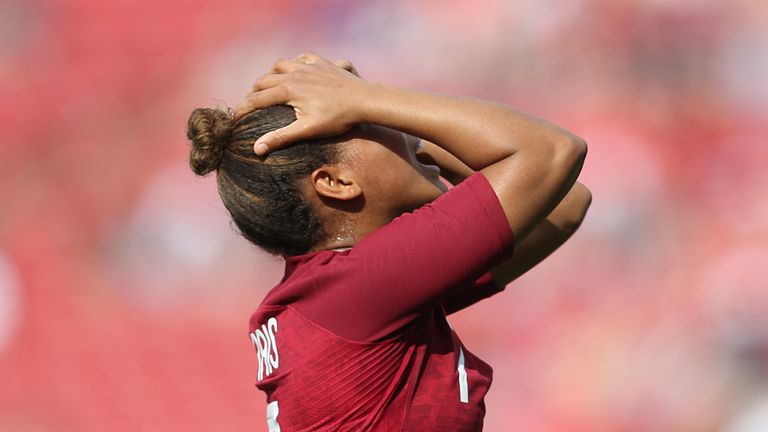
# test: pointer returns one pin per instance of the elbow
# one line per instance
(571, 151)
(580, 147)
(579, 144)
(584, 201)
(577, 203)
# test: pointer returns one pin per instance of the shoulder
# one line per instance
(302, 276)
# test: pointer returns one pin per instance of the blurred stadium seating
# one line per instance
(124, 294)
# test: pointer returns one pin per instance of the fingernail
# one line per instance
(261, 148)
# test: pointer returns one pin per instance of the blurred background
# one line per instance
(125, 293)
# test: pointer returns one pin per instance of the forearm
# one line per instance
(547, 237)
(524, 158)
(569, 214)
(566, 217)
(479, 133)
(451, 168)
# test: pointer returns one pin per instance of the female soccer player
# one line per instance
(324, 168)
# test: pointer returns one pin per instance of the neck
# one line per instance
(345, 235)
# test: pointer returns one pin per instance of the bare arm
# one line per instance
(525, 159)
(549, 235)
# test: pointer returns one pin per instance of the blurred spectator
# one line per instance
(125, 293)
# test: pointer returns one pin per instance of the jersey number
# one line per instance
(463, 386)
(272, 412)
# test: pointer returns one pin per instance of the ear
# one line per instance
(335, 182)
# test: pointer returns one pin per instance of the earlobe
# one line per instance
(335, 182)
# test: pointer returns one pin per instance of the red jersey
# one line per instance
(357, 340)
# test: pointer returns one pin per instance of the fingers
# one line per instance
(282, 66)
(279, 71)
(261, 99)
(347, 66)
(251, 102)
(344, 64)
(307, 58)
(300, 83)
(278, 74)
(278, 138)
(285, 66)
(268, 81)
(311, 58)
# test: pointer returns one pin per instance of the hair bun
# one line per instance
(209, 130)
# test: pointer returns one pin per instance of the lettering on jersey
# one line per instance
(263, 339)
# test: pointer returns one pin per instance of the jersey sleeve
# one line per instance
(482, 288)
(413, 263)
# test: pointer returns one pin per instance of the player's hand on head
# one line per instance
(347, 66)
(307, 58)
(323, 94)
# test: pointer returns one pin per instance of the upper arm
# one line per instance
(547, 236)
(484, 287)
(530, 186)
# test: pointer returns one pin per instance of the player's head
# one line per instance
(304, 195)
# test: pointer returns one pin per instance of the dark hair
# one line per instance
(260, 192)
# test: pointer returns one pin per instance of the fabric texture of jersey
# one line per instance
(358, 340)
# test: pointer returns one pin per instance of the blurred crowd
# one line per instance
(125, 293)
